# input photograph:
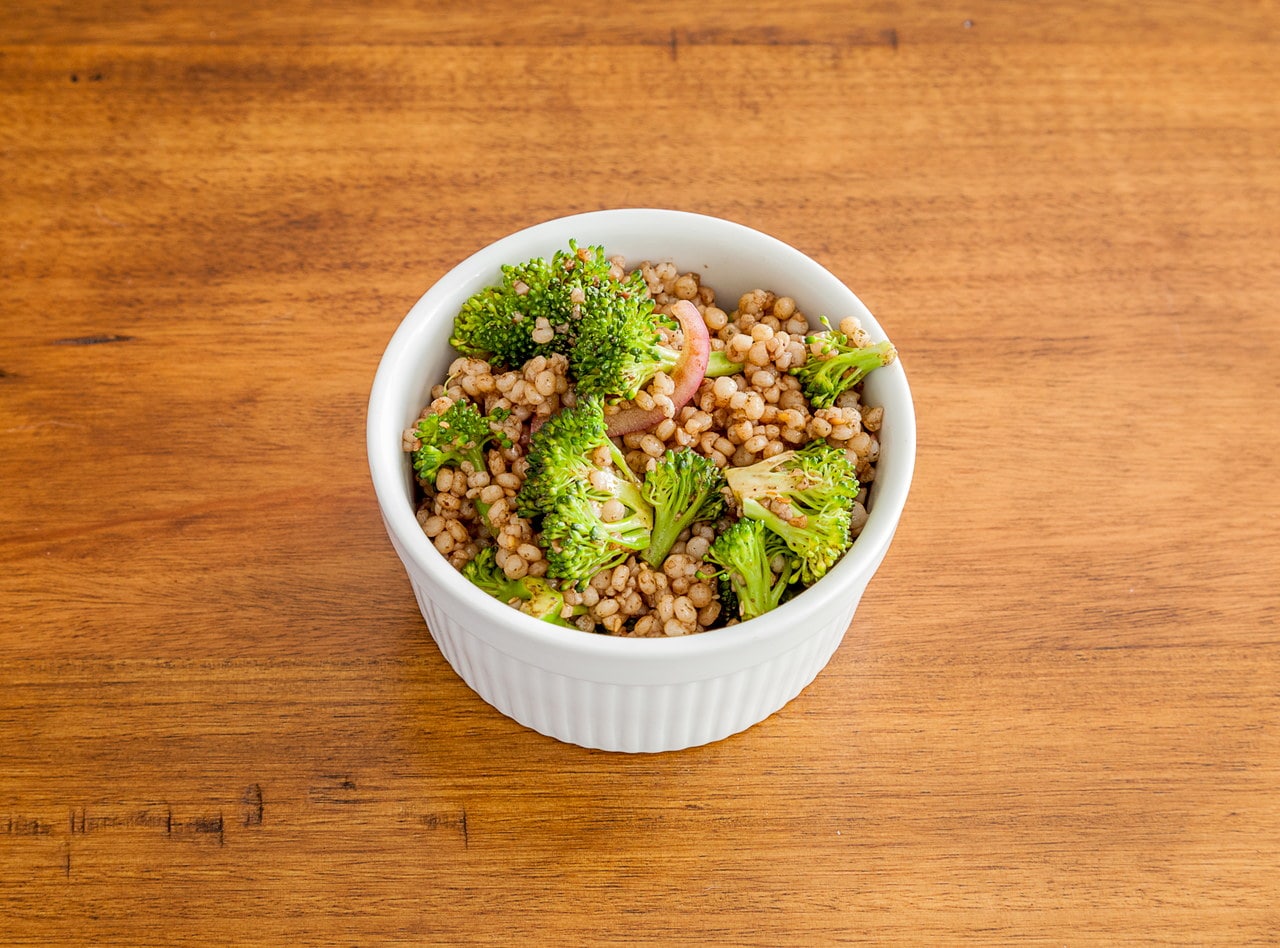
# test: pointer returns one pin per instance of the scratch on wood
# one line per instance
(92, 340)
(208, 824)
(891, 37)
(675, 49)
(253, 806)
(24, 826)
(338, 790)
(446, 820)
(80, 823)
(149, 819)
(66, 866)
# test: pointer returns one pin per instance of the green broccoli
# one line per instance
(536, 597)
(820, 484)
(606, 326)
(838, 366)
(500, 322)
(683, 488)
(747, 552)
(574, 495)
(619, 347)
(579, 543)
(562, 455)
(458, 434)
(817, 541)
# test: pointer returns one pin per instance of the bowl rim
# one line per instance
(386, 459)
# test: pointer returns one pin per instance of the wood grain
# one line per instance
(1055, 717)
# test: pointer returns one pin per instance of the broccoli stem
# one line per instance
(663, 537)
(719, 364)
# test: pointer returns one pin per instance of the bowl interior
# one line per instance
(731, 259)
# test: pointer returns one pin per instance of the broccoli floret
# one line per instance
(606, 326)
(579, 543)
(619, 346)
(817, 540)
(819, 484)
(837, 366)
(683, 488)
(747, 552)
(500, 322)
(816, 476)
(459, 434)
(563, 454)
(573, 492)
(536, 597)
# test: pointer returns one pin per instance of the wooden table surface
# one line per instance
(1055, 717)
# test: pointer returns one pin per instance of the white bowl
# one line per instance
(627, 694)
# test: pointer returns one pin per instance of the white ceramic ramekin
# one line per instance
(616, 693)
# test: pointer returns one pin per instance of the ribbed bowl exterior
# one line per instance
(625, 694)
(632, 718)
